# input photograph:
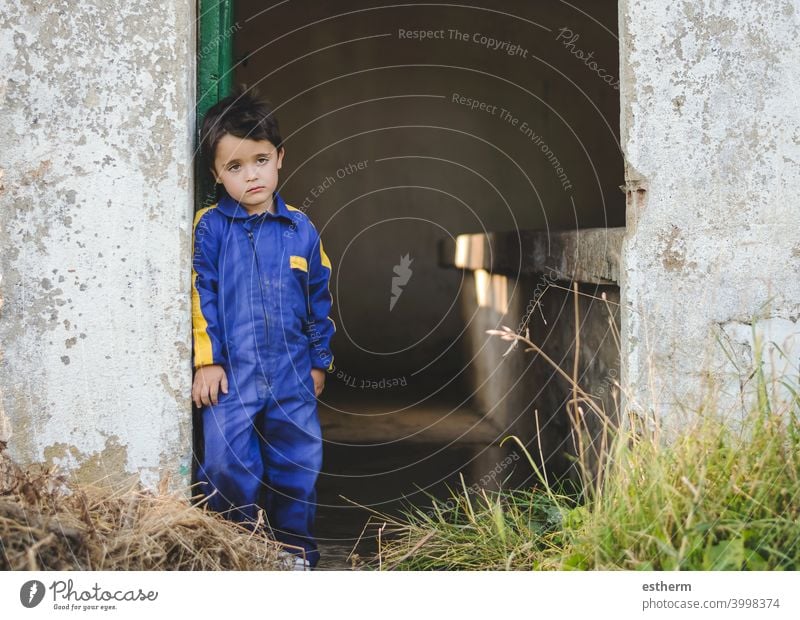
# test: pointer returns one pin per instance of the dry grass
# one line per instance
(48, 523)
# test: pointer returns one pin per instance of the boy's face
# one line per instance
(249, 171)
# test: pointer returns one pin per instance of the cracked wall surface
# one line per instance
(97, 119)
(711, 135)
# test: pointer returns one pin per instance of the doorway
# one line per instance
(407, 125)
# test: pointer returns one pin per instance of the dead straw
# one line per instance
(48, 523)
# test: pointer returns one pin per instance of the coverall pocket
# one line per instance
(306, 387)
(305, 382)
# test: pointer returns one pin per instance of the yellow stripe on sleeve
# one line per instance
(203, 353)
(326, 262)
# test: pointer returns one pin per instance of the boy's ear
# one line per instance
(281, 152)
(214, 174)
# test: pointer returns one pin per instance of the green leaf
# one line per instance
(725, 555)
(576, 561)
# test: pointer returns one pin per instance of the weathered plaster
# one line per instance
(107, 467)
(97, 118)
(711, 134)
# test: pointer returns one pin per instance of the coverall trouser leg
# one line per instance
(268, 455)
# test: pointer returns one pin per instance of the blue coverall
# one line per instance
(260, 308)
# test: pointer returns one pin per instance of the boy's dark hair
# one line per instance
(241, 114)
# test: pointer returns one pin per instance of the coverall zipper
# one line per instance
(261, 291)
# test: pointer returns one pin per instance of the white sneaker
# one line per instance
(301, 564)
(294, 562)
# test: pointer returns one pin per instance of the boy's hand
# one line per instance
(207, 382)
(319, 380)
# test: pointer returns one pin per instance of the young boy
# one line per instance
(262, 331)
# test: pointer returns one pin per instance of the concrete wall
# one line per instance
(711, 134)
(97, 123)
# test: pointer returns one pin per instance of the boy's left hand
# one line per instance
(319, 380)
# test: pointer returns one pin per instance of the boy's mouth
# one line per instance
(257, 188)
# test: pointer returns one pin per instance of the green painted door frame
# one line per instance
(214, 75)
(214, 81)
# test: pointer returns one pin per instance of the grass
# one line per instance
(715, 498)
(719, 495)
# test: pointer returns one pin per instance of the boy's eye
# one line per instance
(233, 168)
(262, 160)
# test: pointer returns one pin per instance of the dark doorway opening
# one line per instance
(407, 125)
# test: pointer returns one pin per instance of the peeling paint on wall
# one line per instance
(673, 252)
(106, 467)
(98, 113)
(709, 120)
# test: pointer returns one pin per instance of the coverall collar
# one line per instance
(233, 209)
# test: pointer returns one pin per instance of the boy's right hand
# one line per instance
(207, 383)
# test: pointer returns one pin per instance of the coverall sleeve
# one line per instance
(320, 328)
(206, 328)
